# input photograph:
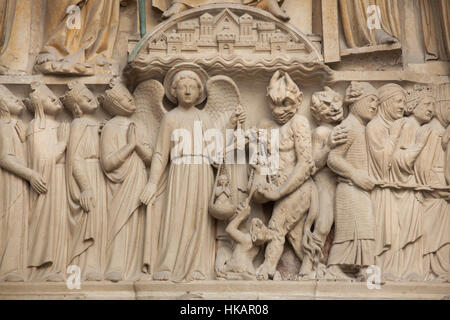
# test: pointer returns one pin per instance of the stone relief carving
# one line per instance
(14, 195)
(354, 238)
(15, 22)
(228, 39)
(291, 188)
(84, 49)
(363, 165)
(48, 230)
(87, 191)
(124, 158)
(327, 110)
(172, 7)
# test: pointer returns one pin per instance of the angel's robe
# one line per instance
(186, 247)
(88, 231)
(429, 170)
(48, 229)
(397, 223)
(96, 36)
(126, 214)
(14, 202)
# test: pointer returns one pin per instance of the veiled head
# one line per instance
(9, 103)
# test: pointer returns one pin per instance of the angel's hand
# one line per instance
(239, 116)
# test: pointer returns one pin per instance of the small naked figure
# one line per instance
(240, 265)
(223, 192)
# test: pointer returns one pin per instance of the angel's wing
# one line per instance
(149, 97)
(223, 98)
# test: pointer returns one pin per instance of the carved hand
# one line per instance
(21, 130)
(63, 132)
(269, 193)
(148, 194)
(338, 136)
(445, 195)
(87, 200)
(243, 208)
(362, 180)
(38, 183)
(131, 135)
(239, 116)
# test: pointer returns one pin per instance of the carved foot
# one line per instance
(265, 272)
(174, 9)
(273, 7)
(307, 276)
(114, 276)
(383, 37)
(63, 67)
(196, 275)
(336, 273)
(146, 277)
(57, 277)
(162, 275)
(7, 71)
(12, 277)
(94, 276)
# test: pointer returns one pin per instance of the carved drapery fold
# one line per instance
(435, 16)
(353, 16)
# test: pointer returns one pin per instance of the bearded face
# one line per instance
(285, 98)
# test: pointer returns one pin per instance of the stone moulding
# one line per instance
(242, 41)
(211, 290)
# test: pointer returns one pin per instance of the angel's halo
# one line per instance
(168, 79)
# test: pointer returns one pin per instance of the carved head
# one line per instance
(79, 99)
(258, 232)
(184, 82)
(43, 101)
(118, 101)
(187, 88)
(223, 180)
(285, 98)
(392, 103)
(9, 104)
(421, 103)
(326, 106)
(362, 98)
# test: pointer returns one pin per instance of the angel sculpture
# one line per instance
(186, 244)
